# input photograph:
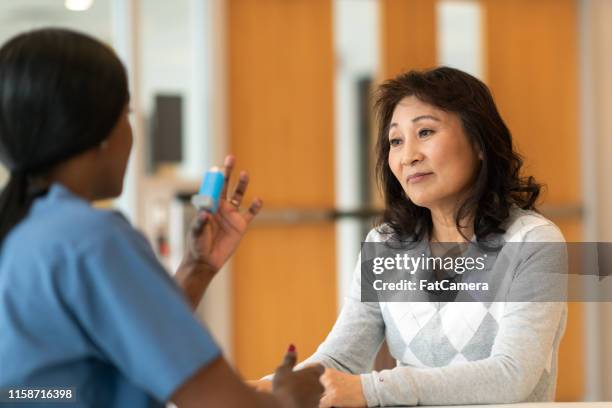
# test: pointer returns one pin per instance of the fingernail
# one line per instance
(291, 349)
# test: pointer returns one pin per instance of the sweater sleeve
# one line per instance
(522, 351)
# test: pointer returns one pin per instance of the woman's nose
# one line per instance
(410, 155)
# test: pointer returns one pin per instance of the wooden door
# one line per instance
(407, 35)
(281, 129)
(532, 70)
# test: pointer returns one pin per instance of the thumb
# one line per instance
(290, 359)
(200, 222)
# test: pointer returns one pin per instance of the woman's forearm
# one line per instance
(520, 359)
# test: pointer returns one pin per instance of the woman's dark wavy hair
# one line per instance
(498, 185)
(61, 93)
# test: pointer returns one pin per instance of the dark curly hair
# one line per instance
(498, 185)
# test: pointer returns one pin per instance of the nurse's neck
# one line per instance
(78, 175)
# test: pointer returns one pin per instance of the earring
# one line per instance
(104, 145)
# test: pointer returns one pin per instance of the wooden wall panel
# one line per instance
(281, 129)
(285, 292)
(532, 70)
(408, 35)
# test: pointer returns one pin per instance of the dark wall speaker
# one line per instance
(166, 130)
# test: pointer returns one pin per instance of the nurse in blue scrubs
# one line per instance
(85, 307)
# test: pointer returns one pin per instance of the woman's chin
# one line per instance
(420, 200)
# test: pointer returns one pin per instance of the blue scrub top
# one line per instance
(86, 304)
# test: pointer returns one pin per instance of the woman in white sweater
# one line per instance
(450, 174)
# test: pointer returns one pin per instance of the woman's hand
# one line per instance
(341, 390)
(213, 238)
(261, 385)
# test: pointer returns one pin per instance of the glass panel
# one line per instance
(357, 55)
(459, 37)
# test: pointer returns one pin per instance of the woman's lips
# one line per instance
(417, 177)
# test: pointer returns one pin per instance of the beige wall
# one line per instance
(601, 102)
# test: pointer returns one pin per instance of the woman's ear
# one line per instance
(478, 149)
(479, 152)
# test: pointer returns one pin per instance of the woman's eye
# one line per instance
(425, 132)
(395, 142)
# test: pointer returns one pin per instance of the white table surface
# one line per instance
(604, 404)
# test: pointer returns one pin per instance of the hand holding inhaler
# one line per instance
(220, 224)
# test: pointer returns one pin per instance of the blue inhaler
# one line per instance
(207, 198)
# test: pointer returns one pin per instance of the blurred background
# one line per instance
(286, 86)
